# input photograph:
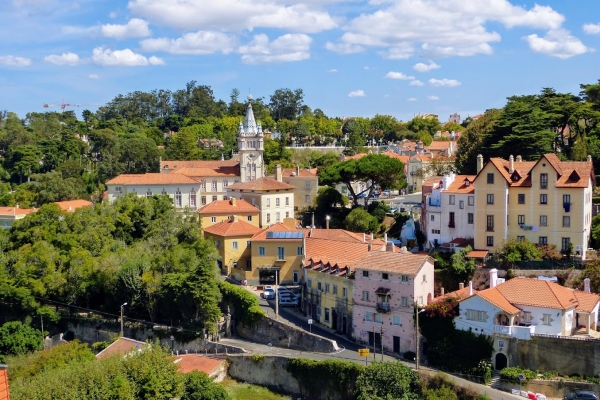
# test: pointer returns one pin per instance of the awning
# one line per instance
(382, 291)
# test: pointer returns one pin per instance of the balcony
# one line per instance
(383, 306)
(518, 332)
(451, 224)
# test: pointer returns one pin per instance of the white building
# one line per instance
(450, 210)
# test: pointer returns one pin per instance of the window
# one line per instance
(451, 199)
(268, 202)
(309, 283)
(469, 218)
(420, 300)
(543, 240)
(213, 219)
(565, 242)
(344, 292)
(566, 199)
(203, 200)
(214, 198)
(435, 231)
(451, 220)
(307, 199)
(319, 286)
(520, 238)
(299, 251)
(281, 253)
(385, 276)
(490, 223)
(287, 201)
(396, 320)
(471, 200)
(203, 185)
(118, 189)
(543, 220)
(335, 289)
(148, 194)
(277, 202)
(268, 218)
(234, 245)
(368, 317)
(378, 318)
(365, 295)
(365, 274)
(225, 183)
(566, 221)
(461, 204)
(214, 185)
(405, 302)
(490, 178)
(177, 198)
(261, 251)
(327, 288)
(490, 199)
(490, 241)
(327, 315)
(547, 319)
(218, 244)
(543, 198)
(249, 218)
(193, 199)
(287, 214)
(318, 311)
(307, 185)
(424, 278)
(526, 316)
(474, 315)
(521, 219)
(543, 181)
(277, 216)
(433, 217)
(404, 278)
(521, 198)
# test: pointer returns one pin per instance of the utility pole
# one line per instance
(122, 305)
(381, 343)
(276, 295)
(417, 340)
(374, 342)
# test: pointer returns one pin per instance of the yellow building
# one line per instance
(547, 201)
(220, 210)
(305, 182)
(331, 255)
(232, 239)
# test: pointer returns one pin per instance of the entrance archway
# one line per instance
(501, 361)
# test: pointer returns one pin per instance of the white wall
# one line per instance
(462, 229)
(269, 212)
(142, 190)
(479, 304)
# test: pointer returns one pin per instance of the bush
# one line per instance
(359, 220)
(378, 209)
(198, 386)
(17, 338)
(443, 393)
(319, 378)
(245, 304)
(512, 374)
(388, 380)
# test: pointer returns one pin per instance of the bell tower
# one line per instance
(250, 142)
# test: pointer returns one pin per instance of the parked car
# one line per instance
(268, 287)
(268, 294)
(374, 195)
(362, 196)
(288, 302)
(288, 294)
(582, 395)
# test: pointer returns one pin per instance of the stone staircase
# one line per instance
(495, 379)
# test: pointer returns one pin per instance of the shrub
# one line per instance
(443, 393)
(198, 386)
(512, 374)
(318, 378)
(258, 358)
(245, 304)
(388, 380)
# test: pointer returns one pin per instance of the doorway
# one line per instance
(344, 324)
(501, 361)
(396, 344)
(377, 340)
(334, 320)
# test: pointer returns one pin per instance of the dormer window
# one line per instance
(515, 176)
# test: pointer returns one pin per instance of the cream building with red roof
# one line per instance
(221, 210)
(547, 201)
(305, 182)
(8, 215)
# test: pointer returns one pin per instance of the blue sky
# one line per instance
(351, 58)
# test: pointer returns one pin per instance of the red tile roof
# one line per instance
(459, 185)
(227, 206)
(72, 205)
(495, 297)
(16, 211)
(232, 228)
(174, 164)
(198, 172)
(458, 295)
(343, 254)
(4, 394)
(587, 301)
(388, 261)
(304, 173)
(193, 362)
(477, 254)
(340, 235)
(278, 227)
(120, 347)
(151, 179)
(261, 184)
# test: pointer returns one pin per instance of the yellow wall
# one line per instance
(206, 219)
(499, 209)
(228, 255)
(293, 261)
(329, 299)
(301, 191)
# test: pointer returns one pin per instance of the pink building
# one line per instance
(387, 285)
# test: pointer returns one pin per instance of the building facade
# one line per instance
(305, 182)
(221, 210)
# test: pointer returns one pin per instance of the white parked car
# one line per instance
(288, 302)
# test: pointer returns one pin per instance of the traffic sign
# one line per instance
(364, 352)
(521, 377)
(310, 321)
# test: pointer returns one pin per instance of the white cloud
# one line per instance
(343, 48)
(416, 82)
(71, 59)
(433, 98)
(234, 15)
(441, 28)
(133, 29)
(71, 30)
(357, 93)
(201, 42)
(421, 67)
(286, 48)
(94, 76)
(399, 75)
(14, 61)
(591, 29)
(333, 70)
(444, 82)
(557, 43)
(412, 99)
(122, 58)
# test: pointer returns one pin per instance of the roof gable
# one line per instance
(232, 227)
(228, 206)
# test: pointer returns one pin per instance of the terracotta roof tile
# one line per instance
(459, 185)
(261, 184)
(304, 173)
(440, 145)
(587, 301)
(278, 227)
(152, 179)
(72, 205)
(232, 228)
(477, 254)
(120, 347)
(192, 362)
(4, 394)
(387, 261)
(495, 297)
(16, 211)
(537, 293)
(174, 164)
(337, 253)
(226, 206)
(202, 172)
(340, 235)
(458, 295)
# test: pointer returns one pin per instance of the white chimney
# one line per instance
(493, 277)
(385, 237)
(389, 246)
(470, 288)
(511, 161)
(461, 286)
(589, 158)
(519, 159)
(278, 173)
(364, 237)
(297, 169)
(442, 291)
(586, 285)
(479, 163)
(371, 236)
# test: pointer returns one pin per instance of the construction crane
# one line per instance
(63, 105)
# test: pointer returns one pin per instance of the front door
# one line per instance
(501, 361)
(377, 340)
(396, 344)
(334, 321)
(344, 323)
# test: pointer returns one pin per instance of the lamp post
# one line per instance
(417, 358)
(327, 218)
(122, 305)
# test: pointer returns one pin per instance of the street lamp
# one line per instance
(122, 305)
(327, 218)
(417, 358)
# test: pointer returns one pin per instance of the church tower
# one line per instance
(250, 142)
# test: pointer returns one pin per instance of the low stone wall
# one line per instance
(268, 371)
(556, 389)
(268, 330)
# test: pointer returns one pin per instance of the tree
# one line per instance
(420, 124)
(183, 146)
(23, 160)
(359, 220)
(198, 386)
(388, 380)
(286, 104)
(17, 338)
(462, 267)
(452, 127)
(378, 209)
(515, 250)
(471, 142)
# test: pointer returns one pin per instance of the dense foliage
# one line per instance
(245, 305)
(17, 338)
(320, 378)
(388, 380)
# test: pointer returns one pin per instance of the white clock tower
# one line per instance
(250, 141)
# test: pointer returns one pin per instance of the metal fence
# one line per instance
(536, 265)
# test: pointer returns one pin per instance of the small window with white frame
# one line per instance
(396, 320)
(365, 295)
(547, 319)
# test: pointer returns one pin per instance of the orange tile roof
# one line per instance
(151, 179)
(458, 295)
(304, 173)
(477, 254)
(261, 184)
(430, 182)
(193, 362)
(120, 347)
(536, 293)
(437, 145)
(16, 211)
(459, 185)
(423, 157)
(72, 205)
(346, 254)
(495, 297)
(226, 206)
(587, 301)
(174, 164)
(202, 172)
(388, 261)
(278, 227)
(232, 228)
(340, 235)
(4, 394)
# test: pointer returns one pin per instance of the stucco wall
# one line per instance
(269, 371)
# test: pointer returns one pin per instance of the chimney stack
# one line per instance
(442, 291)
(470, 288)
(511, 161)
(461, 286)
(278, 173)
(297, 169)
(364, 237)
(370, 246)
(371, 236)
(519, 159)
(385, 237)
(479, 163)
(389, 246)
(233, 202)
(586, 285)
(589, 158)
(493, 277)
